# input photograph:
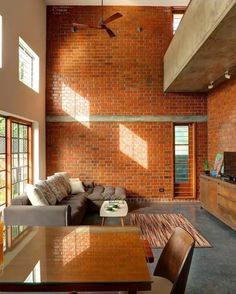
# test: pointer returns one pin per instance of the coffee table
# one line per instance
(84, 258)
(120, 212)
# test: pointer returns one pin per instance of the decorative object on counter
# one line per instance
(206, 167)
(217, 165)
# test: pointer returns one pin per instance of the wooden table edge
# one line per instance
(82, 287)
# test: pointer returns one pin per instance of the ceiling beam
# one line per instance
(119, 2)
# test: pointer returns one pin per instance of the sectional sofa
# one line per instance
(70, 210)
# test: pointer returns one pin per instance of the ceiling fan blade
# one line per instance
(110, 33)
(80, 26)
(112, 18)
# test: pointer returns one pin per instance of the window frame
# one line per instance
(177, 10)
(18, 138)
(1, 41)
(188, 145)
(192, 165)
(8, 152)
(34, 73)
(5, 186)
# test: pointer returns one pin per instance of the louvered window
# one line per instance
(184, 161)
(26, 62)
(28, 66)
(181, 154)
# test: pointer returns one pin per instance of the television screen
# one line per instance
(230, 164)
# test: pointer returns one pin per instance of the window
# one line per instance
(0, 41)
(20, 157)
(15, 157)
(184, 161)
(28, 66)
(3, 172)
(178, 13)
(181, 153)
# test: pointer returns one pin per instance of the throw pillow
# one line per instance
(65, 181)
(47, 192)
(35, 196)
(76, 186)
(88, 184)
(57, 188)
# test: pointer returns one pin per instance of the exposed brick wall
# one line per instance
(222, 119)
(90, 74)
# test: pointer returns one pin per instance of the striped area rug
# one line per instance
(157, 228)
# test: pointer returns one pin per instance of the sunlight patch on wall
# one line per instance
(133, 146)
(75, 105)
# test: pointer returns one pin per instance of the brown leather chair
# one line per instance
(171, 272)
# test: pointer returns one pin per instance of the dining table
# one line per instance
(82, 258)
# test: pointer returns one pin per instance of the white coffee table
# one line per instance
(120, 212)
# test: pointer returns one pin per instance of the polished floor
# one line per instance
(213, 270)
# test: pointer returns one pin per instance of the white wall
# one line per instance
(25, 18)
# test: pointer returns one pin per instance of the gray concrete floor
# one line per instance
(213, 270)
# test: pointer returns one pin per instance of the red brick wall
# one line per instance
(222, 119)
(89, 73)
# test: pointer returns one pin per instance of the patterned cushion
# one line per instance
(47, 192)
(65, 180)
(35, 196)
(58, 189)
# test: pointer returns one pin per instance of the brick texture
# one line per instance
(222, 119)
(89, 73)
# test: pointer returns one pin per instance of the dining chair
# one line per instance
(172, 269)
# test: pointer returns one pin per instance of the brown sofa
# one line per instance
(70, 211)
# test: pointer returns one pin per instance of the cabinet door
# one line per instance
(203, 191)
(212, 196)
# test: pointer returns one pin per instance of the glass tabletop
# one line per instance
(63, 255)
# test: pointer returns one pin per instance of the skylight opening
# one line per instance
(177, 17)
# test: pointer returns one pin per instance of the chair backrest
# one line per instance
(175, 260)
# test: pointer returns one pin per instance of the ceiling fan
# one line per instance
(102, 24)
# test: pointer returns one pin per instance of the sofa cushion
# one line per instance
(96, 193)
(77, 215)
(77, 200)
(77, 204)
(47, 192)
(58, 189)
(76, 186)
(88, 184)
(107, 193)
(120, 193)
(35, 196)
(21, 200)
(65, 180)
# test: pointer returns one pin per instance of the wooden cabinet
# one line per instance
(219, 198)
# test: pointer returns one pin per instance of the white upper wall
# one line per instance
(120, 2)
(27, 19)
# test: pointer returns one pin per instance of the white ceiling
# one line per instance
(120, 2)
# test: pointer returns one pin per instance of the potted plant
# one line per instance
(206, 167)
